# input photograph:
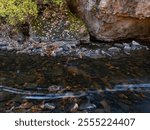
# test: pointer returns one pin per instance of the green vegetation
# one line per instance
(58, 2)
(17, 11)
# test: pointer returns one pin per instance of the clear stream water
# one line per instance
(35, 78)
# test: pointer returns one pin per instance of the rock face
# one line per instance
(111, 20)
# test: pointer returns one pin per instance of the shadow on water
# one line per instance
(96, 85)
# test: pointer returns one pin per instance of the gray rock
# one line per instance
(74, 108)
(106, 53)
(59, 50)
(127, 49)
(66, 47)
(3, 44)
(86, 106)
(114, 50)
(49, 106)
(135, 45)
(126, 44)
(97, 52)
(3, 48)
(119, 45)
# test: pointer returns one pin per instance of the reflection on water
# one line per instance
(37, 77)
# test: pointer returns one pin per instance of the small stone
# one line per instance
(83, 49)
(73, 45)
(135, 45)
(54, 88)
(114, 50)
(49, 106)
(106, 53)
(65, 48)
(3, 44)
(74, 108)
(59, 50)
(9, 48)
(126, 44)
(97, 52)
(118, 45)
(127, 50)
(3, 48)
(26, 105)
(91, 106)
(87, 106)
(53, 53)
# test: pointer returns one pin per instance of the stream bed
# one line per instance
(73, 84)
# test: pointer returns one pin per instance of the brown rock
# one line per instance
(114, 20)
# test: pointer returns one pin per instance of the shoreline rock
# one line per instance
(71, 48)
(114, 20)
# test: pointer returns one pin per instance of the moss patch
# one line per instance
(58, 23)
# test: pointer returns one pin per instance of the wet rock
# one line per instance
(26, 105)
(4, 48)
(2, 44)
(49, 106)
(135, 45)
(114, 50)
(35, 108)
(119, 45)
(74, 108)
(54, 88)
(87, 106)
(127, 49)
(106, 53)
(66, 47)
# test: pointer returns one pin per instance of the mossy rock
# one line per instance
(57, 23)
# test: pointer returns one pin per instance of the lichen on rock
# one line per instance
(56, 23)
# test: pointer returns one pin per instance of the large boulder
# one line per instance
(111, 20)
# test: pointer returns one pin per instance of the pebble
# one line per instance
(114, 50)
(106, 53)
(74, 108)
(127, 50)
(135, 45)
(65, 48)
(119, 45)
(49, 106)
(3, 44)
(86, 106)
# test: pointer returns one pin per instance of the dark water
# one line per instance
(96, 85)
